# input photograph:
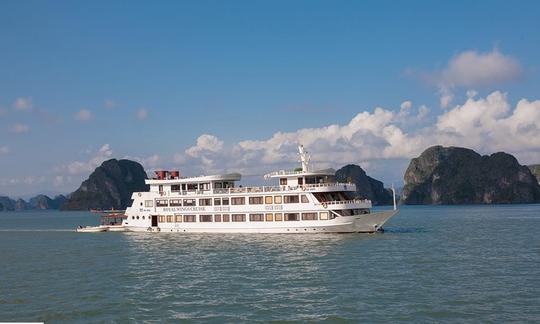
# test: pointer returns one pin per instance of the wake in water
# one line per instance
(36, 230)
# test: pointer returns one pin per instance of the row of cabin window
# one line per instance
(269, 217)
(287, 199)
(200, 186)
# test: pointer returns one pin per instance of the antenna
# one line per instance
(304, 158)
(394, 195)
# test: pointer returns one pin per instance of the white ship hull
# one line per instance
(367, 223)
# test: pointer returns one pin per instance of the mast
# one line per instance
(304, 158)
(394, 196)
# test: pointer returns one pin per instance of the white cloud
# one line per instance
(423, 111)
(405, 108)
(83, 167)
(141, 114)
(149, 162)
(19, 128)
(487, 125)
(4, 150)
(83, 115)
(473, 69)
(23, 104)
(205, 142)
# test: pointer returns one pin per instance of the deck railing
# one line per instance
(264, 189)
(345, 202)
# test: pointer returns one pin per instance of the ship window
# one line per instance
(323, 215)
(269, 217)
(309, 216)
(291, 217)
(204, 186)
(268, 200)
(277, 199)
(291, 199)
(183, 187)
(143, 217)
(189, 218)
(205, 202)
(161, 218)
(205, 218)
(217, 218)
(225, 201)
(132, 217)
(304, 199)
(256, 217)
(226, 217)
(311, 180)
(148, 203)
(137, 217)
(141, 203)
(238, 201)
(169, 218)
(255, 200)
(175, 202)
(300, 181)
(189, 202)
(162, 203)
(238, 217)
(175, 187)
(218, 185)
(283, 181)
(178, 218)
(191, 186)
(278, 217)
(217, 201)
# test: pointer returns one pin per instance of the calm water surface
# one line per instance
(433, 264)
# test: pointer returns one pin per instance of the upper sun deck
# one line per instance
(300, 173)
(173, 177)
(299, 179)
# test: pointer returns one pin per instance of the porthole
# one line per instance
(137, 217)
(141, 203)
(132, 217)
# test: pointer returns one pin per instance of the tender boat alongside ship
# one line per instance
(110, 221)
(304, 201)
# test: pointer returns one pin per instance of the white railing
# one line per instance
(345, 202)
(263, 189)
(282, 172)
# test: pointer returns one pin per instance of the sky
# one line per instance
(221, 86)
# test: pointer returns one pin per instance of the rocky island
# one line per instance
(366, 186)
(109, 187)
(535, 170)
(455, 175)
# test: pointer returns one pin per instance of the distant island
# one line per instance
(456, 175)
(41, 202)
(440, 175)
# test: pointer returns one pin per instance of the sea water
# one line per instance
(433, 264)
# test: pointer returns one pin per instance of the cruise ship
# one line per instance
(302, 201)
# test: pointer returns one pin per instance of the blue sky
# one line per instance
(204, 86)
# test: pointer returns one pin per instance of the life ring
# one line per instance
(325, 205)
(149, 229)
(303, 188)
(140, 194)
